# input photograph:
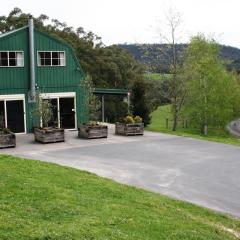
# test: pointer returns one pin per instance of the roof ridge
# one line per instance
(13, 31)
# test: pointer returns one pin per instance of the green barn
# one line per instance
(32, 61)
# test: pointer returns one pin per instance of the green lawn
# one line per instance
(159, 125)
(41, 201)
(156, 76)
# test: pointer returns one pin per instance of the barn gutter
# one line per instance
(32, 59)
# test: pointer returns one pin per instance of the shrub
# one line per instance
(128, 119)
(137, 119)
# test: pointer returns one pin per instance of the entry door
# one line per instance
(15, 116)
(67, 112)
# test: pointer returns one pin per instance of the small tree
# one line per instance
(93, 103)
(43, 111)
(140, 104)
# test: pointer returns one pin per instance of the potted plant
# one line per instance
(7, 138)
(44, 113)
(92, 129)
(130, 126)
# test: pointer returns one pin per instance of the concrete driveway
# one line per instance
(201, 172)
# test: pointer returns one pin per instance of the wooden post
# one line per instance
(167, 123)
(103, 109)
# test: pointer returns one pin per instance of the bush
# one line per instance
(128, 119)
(137, 119)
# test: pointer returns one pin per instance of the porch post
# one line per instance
(103, 109)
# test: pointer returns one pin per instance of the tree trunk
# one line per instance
(175, 119)
(205, 131)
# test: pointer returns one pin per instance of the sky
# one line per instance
(140, 21)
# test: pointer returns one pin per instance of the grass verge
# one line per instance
(159, 125)
(41, 201)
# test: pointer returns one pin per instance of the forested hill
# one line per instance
(157, 57)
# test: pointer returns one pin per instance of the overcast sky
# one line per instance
(138, 21)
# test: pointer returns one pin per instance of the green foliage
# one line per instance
(157, 92)
(128, 119)
(43, 111)
(212, 91)
(157, 58)
(140, 102)
(46, 201)
(137, 119)
(92, 101)
(116, 108)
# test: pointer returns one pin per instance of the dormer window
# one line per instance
(51, 58)
(11, 59)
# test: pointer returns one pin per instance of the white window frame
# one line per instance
(62, 95)
(14, 97)
(39, 62)
(16, 51)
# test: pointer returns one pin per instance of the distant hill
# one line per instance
(157, 57)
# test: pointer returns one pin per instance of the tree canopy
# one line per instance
(212, 91)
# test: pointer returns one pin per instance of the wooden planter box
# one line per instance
(130, 129)
(91, 132)
(7, 140)
(49, 135)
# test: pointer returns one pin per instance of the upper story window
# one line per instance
(51, 58)
(11, 59)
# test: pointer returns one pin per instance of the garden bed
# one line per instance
(92, 132)
(49, 135)
(129, 129)
(7, 139)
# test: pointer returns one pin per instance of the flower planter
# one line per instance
(129, 129)
(91, 132)
(7, 140)
(49, 135)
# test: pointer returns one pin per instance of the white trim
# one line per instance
(38, 59)
(16, 58)
(57, 95)
(14, 97)
(62, 95)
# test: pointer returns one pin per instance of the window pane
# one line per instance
(12, 59)
(48, 55)
(3, 58)
(12, 54)
(55, 62)
(19, 59)
(55, 54)
(12, 62)
(47, 62)
(4, 55)
(62, 58)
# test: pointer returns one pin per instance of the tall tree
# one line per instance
(212, 92)
(176, 91)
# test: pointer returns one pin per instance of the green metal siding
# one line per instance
(16, 80)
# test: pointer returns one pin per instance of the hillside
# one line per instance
(157, 57)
